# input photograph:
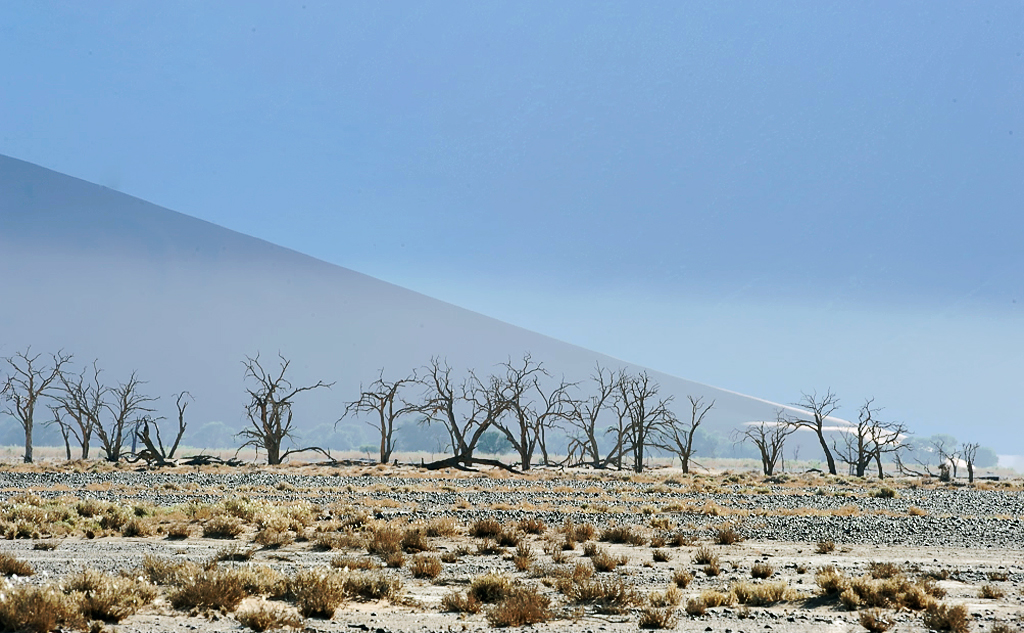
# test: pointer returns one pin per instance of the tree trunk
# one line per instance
(828, 454)
(878, 462)
(273, 452)
(970, 472)
(28, 441)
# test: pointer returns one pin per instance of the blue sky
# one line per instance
(768, 197)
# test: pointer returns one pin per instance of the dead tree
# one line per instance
(128, 407)
(382, 400)
(647, 414)
(677, 438)
(819, 408)
(155, 451)
(586, 418)
(769, 438)
(949, 456)
(969, 452)
(889, 439)
(30, 379)
(866, 441)
(466, 410)
(80, 404)
(270, 409)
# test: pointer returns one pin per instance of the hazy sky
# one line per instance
(768, 197)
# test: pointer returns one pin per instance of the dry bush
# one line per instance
(235, 553)
(608, 596)
(317, 593)
(825, 547)
(487, 547)
(271, 538)
(591, 549)
(262, 580)
(47, 545)
(915, 511)
(165, 571)
(991, 592)
(372, 585)
(577, 533)
(1002, 627)
(696, 607)
(558, 556)
(211, 588)
(661, 556)
(521, 607)
(763, 594)
(441, 526)
(850, 599)
(661, 523)
(884, 570)
(831, 580)
(353, 562)
(394, 560)
(727, 535)
(11, 566)
(671, 597)
(137, 526)
(705, 556)
(762, 571)
(875, 620)
(682, 578)
(415, 541)
(532, 525)
(179, 530)
(658, 618)
(108, 598)
(680, 539)
(713, 598)
(622, 534)
(712, 569)
(998, 576)
(38, 609)
(269, 616)
(385, 539)
(486, 528)
(456, 602)
(605, 562)
(490, 588)
(884, 493)
(942, 617)
(508, 538)
(425, 566)
(223, 526)
(523, 557)
(659, 541)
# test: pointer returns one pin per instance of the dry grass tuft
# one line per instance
(269, 616)
(605, 562)
(211, 588)
(658, 618)
(831, 580)
(942, 617)
(991, 592)
(11, 566)
(165, 571)
(354, 563)
(762, 571)
(705, 556)
(38, 609)
(532, 525)
(108, 598)
(384, 540)
(441, 526)
(490, 588)
(272, 538)
(622, 534)
(875, 620)
(317, 593)
(372, 585)
(486, 528)
(682, 578)
(696, 607)
(425, 566)
(671, 597)
(661, 556)
(763, 594)
(915, 511)
(521, 607)
(713, 598)
(728, 535)
(456, 602)
(608, 596)
(223, 526)
(825, 547)
(415, 541)
(523, 557)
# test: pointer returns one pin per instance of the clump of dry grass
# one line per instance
(211, 588)
(532, 525)
(385, 539)
(490, 588)
(317, 593)
(456, 602)
(179, 530)
(108, 598)
(658, 618)
(762, 571)
(661, 556)
(269, 616)
(705, 556)
(682, 578)
(425, 566)
(521, 607)
(372, 585)
(165, 571)
(354, 562)
(991, 592)
(713, 598)
(604, 562)
(825, 547)
(47, 545)
(915, 511)
(38, 609)
(727, 535)
(272, 538)
(235, 553)
(414, 541)
(577, 533)
(523, 557)
(942, 617)
(441, 526)
(831, 580)
(696, 607)
(608, 596)
(681, 539)
(884, 570)
(671, 597)
(875, 620)
(223, 526)
(11, 566)
(623, 534)
(763, 594)
(487, 547)
(486, 528)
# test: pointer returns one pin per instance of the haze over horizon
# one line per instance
(767, 198)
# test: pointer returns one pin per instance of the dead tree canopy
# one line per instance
(647, 414)
(127, 407)
(868, 440)
(769, 438)
(383, 401)
(80, 402)
(584, 445)
(155, 452)
(465, 409)
(29, 380)
(269, 409)
(678, 437)
(818, 408)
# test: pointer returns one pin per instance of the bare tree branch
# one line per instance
(29, 381)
